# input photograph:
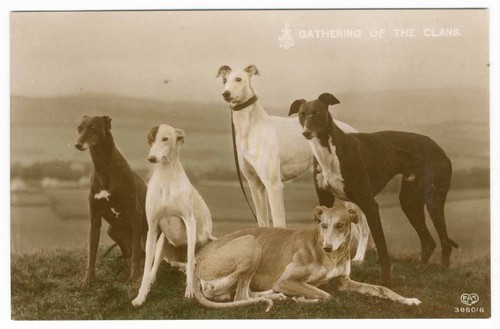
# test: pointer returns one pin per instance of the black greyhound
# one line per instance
(357, 166)
(117, 194)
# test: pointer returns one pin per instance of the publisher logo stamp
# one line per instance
(469, 299)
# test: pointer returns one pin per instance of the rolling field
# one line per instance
(58, 218)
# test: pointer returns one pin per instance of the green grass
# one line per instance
(46, 285)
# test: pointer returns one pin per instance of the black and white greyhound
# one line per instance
(357, 166)
(117, 194)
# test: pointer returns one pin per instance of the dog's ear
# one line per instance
(328, 99)
(180, 135)
(353, 213)
(252, 70)
(223, 71)
(151, 136)
(294, 108)
(317, 212)
(107, 122)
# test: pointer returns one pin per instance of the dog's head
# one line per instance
(164, 141)
(237, 84)
(334, 225)
(314, 116)
(92, 131)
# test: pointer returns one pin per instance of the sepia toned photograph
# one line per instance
(250, 164)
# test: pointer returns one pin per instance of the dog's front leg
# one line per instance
(190, 223)
(363, 235)
(137, 251)
(344, 283)
(267, 168)
(93, 238)
(258, 191)
(275, 194)
(151, 240)
(370, 209)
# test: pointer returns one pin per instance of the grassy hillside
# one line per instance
(46, 286)
(457, 119)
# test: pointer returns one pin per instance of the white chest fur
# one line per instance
(330, 177)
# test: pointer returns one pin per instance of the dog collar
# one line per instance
(239, 107)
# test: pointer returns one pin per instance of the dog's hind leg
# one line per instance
(435, 206)
(248, 269)
(412, 204)
(437, 183)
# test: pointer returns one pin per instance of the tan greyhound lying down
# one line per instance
(262, 264)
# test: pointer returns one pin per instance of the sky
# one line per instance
(175, 55)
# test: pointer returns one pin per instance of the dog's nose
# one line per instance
(152, 159)
(307, 134)
(327, 249)
(79, 146)
(226, 94)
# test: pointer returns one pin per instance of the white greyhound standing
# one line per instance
(271, 150)
(173, 206)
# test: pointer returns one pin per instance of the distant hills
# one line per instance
(458, 119)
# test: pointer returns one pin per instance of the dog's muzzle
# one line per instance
(227, 96)
(307, 134)
(80, 147)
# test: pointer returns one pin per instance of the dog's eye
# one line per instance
(339, 225)
(164, 139)
(324, 225)
(224, 80)
(238, 79)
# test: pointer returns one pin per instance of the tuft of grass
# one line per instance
(46, 286)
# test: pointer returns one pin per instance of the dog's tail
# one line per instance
(109, 249)
(198, 294)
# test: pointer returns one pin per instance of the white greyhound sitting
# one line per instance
(278, 263)
(271, 150)
(173, 206)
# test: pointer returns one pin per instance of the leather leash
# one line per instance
(235, 150)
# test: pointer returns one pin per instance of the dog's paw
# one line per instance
(138, 301)
(86, 283)
(412, 301)
(189, 293)
(302, 299)
(269, 304)
(422, 266)
(357, 261)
